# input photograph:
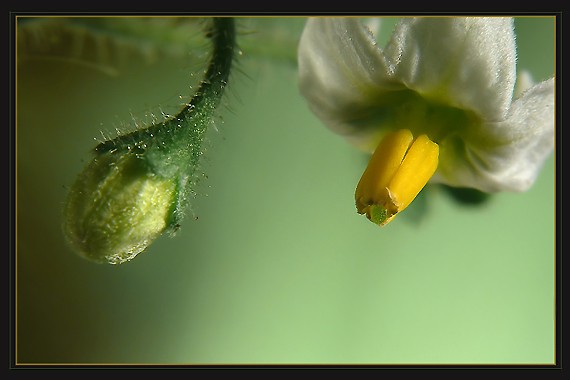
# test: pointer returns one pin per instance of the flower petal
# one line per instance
(506, 155)
(466, 62)
(341, 71)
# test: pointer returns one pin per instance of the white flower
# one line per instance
(449, 78)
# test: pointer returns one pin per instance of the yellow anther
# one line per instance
(398, 169)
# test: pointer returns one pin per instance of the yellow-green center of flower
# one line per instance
(397, 171)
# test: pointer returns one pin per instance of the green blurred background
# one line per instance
(277, 267)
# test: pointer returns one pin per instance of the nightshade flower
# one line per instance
(449, 83)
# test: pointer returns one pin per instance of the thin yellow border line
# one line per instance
(246, 364)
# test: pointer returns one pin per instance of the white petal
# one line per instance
(467, 62)
(507, 155)
(341, 71)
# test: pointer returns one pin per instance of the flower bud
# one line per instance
(118, 206)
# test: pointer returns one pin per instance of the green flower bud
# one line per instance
(135, 187)
(118, 206)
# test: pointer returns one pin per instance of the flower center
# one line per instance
(397, 171)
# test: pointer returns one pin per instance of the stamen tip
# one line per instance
(377, 215)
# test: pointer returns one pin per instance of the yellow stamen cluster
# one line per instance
(397, 171)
